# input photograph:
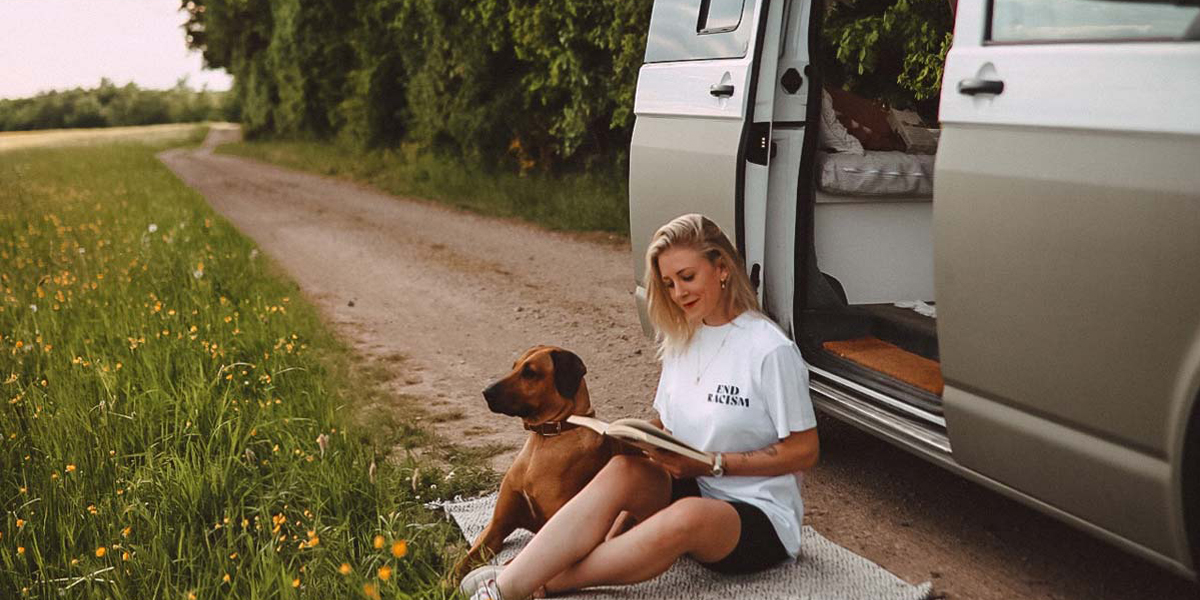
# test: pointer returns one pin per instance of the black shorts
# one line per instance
(758, 546)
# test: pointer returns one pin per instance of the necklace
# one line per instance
(700, 372)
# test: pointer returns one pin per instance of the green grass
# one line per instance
(574, 202)
(162, 393)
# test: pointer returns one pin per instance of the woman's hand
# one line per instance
(680, 467)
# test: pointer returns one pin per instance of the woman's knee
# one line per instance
(642, 486)
(691, 523)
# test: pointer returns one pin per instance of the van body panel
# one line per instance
(677, 166)
(1066, 262)
(1077, 85)
(1094, 479)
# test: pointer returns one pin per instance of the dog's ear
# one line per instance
(568, 372)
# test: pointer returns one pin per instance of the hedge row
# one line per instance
(545, 84)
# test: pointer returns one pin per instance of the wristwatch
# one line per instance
(718, 467)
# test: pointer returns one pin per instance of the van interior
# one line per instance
(870, 314)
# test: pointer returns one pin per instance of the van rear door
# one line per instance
(702, 134)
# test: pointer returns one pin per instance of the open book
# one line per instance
(642, 434)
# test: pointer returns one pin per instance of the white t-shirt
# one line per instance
(752, 392)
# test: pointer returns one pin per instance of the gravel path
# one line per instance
(460, 296)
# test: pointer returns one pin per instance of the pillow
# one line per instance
(865, 120)
(833, 134)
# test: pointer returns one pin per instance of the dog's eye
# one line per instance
(527, 372)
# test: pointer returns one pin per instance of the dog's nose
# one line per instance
(490, 393)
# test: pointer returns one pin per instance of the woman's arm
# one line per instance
(797, 452)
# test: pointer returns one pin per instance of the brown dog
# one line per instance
(545, 386)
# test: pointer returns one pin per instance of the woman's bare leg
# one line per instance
(626, 483)
(706, 529)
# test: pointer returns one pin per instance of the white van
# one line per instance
(1024, 309)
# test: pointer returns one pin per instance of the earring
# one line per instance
(722, 284)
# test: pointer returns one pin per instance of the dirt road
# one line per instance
(460, 296)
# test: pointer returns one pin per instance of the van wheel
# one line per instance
(1191, 486)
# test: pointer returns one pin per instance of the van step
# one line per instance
(891, 360)
(896, 422)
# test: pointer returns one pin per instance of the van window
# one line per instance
(717, 16)
(698, 30)
(1088, 20)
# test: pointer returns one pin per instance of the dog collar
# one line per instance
(553, 428)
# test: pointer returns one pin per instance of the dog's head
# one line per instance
(544, 385)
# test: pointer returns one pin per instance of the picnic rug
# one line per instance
(824, 571)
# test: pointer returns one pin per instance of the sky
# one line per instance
(62, 44)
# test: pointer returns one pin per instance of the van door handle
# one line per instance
(972, 87)
(721, 89)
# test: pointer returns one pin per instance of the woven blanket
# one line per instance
(823, 571)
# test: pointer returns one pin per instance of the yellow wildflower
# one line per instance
(21, 550)
(20, 523)
(225, 578)
(385, 573)
(378, 542)
(344, 569)
(370, 591)
(101, 551)
(70, 468)
(296, 582)
(399, 548)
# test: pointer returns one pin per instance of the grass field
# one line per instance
(593, 202)
(152, 134)
(176, 421)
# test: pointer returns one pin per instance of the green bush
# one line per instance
(892, 50)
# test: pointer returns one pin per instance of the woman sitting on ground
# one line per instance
(733, 384)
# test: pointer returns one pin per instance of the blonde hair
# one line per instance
(701, 234)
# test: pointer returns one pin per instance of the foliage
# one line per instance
(509, 83)
(110, 106)
(173, 422)
(889, 49)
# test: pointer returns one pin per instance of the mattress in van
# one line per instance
(876, 173)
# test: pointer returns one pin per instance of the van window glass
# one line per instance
(698, 30)
(720, 15)
(1090, 20)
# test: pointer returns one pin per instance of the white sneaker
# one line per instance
(482, 581)
(488, 591)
